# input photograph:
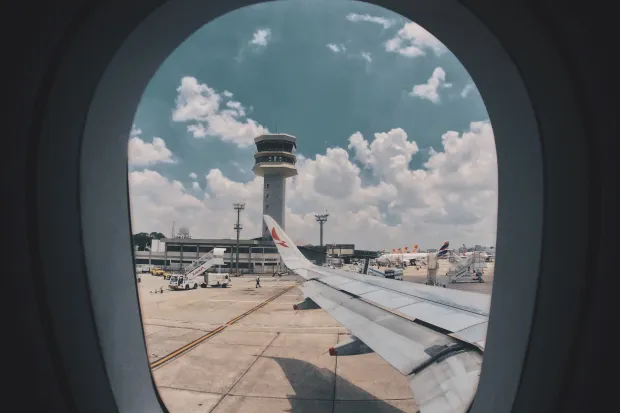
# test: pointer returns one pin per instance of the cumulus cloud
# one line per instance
(206, 114)
(454, 194)
(193, 175)
(389, 153)
(386, 23)
(413, 41)
(196, 186)
(261, 37)
(336, 48)
(143, 153)
(157, 201)
(429, 90)
(366, 56)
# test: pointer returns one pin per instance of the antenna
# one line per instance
(172, 236)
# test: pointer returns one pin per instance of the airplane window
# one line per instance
(402, 186)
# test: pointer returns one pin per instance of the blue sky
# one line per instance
(324, 72)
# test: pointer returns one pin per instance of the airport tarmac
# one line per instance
(274, 359)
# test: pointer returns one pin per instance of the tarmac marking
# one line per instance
(180, 351)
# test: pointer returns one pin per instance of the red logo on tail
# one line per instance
(276, 238)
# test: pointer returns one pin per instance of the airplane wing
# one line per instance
(433, 335)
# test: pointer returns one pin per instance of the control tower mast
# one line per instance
(274, 161)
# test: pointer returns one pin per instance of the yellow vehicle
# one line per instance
(159, 271)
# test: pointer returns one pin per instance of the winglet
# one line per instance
(291, 256)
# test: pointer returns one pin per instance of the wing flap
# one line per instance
(402, 343)
(475, 335)
(448, 385)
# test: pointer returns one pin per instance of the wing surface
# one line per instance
(433, 335)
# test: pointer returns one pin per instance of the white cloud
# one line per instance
(200, 107)
(467, 89)
(429, 90)
(336, 48)
(143, 153)
(366, 56)
(389, 153)
(196, 186)
(261, 37)
(454, 196)
(413, 41)
(193, 175)
(156, 202)
(227, 94)
(386, 23)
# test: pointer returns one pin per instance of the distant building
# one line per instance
(255, 256)
(340, 250)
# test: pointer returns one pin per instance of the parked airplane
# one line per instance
(487, 254)
(434, 336)
(412, 258)
(483, 254)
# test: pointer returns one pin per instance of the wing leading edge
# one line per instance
(432, 335)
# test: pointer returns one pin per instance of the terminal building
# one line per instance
(177, 253)
(275, 161)
(255, 256)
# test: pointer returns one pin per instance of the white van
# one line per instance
(140, 268)
(395, 273)
(214, 279)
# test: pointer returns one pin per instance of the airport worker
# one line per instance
(257, 281)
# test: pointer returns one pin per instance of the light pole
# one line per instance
(238, 207)
(321, 219)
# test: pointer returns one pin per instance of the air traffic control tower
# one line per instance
(275, 161)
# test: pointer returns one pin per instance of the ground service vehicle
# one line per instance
(199, 267)
(214, 279)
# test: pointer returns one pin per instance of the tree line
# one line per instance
(143, 239)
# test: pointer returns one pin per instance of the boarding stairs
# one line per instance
(462, 266)
(206, 261)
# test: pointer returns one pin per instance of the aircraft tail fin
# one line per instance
(290, 254)
(415, 249)
(443, 250)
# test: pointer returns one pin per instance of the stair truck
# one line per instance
(189, 279)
